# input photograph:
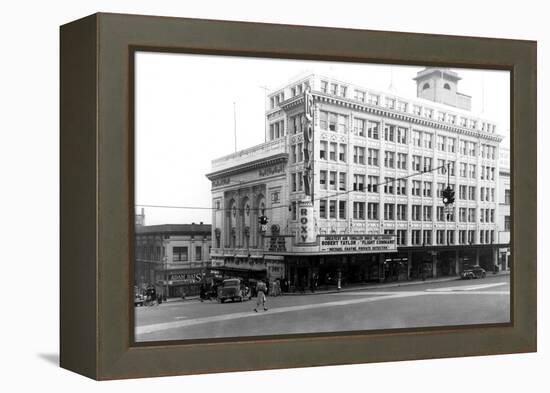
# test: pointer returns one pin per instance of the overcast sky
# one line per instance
(184, 116)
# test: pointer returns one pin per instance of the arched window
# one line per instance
(446, 86)
(426, 86)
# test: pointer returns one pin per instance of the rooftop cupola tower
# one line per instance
(441, 85)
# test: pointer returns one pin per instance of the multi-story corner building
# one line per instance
(172, 257)
(504, 201)
(378, 164)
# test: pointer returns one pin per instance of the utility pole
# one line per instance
(235, 124)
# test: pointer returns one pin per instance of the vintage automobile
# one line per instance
(471, 272)
(231, 289)
(138, 300)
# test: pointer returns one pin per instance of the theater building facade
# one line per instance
(351, 181)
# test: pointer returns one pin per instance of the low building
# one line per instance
(172, 257)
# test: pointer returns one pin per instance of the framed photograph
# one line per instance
(243, 196)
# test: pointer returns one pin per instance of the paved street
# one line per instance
(456, 302)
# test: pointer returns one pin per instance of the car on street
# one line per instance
(471, 272)
(231, 289)
(138, 300)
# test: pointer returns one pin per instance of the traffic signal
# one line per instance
(448, 196)
(262, 220)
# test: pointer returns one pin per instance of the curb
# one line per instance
(382, 286)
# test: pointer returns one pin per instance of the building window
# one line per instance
(342, 210)
(401, 161)
(440, 213)
(389, 211)
(389, 159)
(389, 133)
(373, 184)
(428, 140)
(462, 214)
(342, 181)
(472, 171)
(332, 180)
(388, 185)
(416, 138)
(372, 211)
(471, 215)
(417, 110)
(294, 185)
(180, 254)
(507, 223)
(294, 212)
(461, 192)
(472, 193)
(324, 86)
(359, 126)
(462, 147)
(402, 106)
(358, 155)
(360, 95)
(507, 197)
(323, 150)
(427, 189)
(372, 129)
(198, 253)
(462, 170)
(359, 210)
(415, 237)
(300, 152)
(440, 143)
(323, 180)
(374, 99)
(402, 212)
(342, 123)
(440, 236)
(401, 135)
(416, 163)
(427, 237)
(342, 153)
(451, 145)
(401, 186)
(462, 237)
(427, 213)
(427, 164)
(322, 208)
(390, 103)
(332, 209)
(426, 86)
(401, 237)
(416, 213)
(332, 152)
(373, 156)
(415, 189)
(451, 237)
(358, 182)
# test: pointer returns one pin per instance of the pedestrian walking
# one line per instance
(260, 299)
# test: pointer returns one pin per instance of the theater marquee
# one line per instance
(357, 243)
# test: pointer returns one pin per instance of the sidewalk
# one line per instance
(369, 286)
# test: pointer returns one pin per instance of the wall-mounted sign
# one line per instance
(221, 182)
(276, 244)
(357, 243)
(272, 170)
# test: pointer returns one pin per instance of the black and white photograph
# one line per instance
(282, 197)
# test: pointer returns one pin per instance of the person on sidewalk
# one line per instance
(260, 299)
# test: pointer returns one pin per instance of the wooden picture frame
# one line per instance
(97, 211)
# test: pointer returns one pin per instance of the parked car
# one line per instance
(230, 289)
(471, 272)
(138, 300)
